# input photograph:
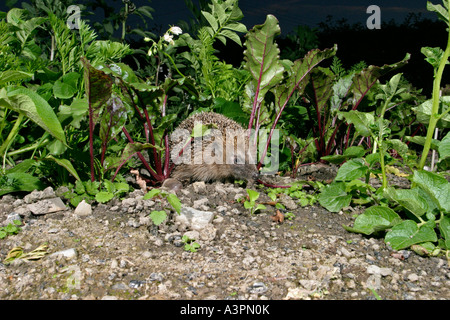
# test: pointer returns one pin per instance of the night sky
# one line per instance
(290, 13)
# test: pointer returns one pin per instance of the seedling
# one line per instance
(158, 217)
(190, 244)
(251, 202)
(10, 229)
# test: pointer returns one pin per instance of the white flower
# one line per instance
(176, 30)
(168, 38)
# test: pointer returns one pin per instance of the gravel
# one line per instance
(114, 251)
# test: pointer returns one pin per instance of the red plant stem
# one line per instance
(91, 141)
(141, 157)
(152, 141)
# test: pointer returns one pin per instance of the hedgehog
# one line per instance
(222, 153)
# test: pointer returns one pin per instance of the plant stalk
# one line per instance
(434, 117)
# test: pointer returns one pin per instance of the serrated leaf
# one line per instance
(152, 193)
(174, 202)
(103, 196)
(158, 217)
(407, 233)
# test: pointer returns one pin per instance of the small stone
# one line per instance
(194, 219)
(413, 277)
(47, 206)
(372, 269)
(83, 209)
(258, 288)
(199, 187)
(69, 253)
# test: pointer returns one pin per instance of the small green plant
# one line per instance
(158, 216)
(10, 229)
(99, 191)
(251, 202)
(295, 191)
(190, 244)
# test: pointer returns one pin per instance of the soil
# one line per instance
(118, 253)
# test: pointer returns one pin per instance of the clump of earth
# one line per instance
(115, 251)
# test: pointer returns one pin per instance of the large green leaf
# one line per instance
(424, 110)
(33, 106)
(334, 197)
(374, 219)
(444, 228)
(410, 199)
(13, 75)
(98, 89)
(364, 80)
(352, 169)
(299, 77)
(361, 120)
(407, 233)
(19, 181)
(437, 187)
(262, 59)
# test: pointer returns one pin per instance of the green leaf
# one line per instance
(334, 197)
(103, 196)
(374, 219)
(63, 90)
(35, 108)
(444, 228)
(262, 59)
(407, 233)
(444, 147)
(158, 217)
(211, 20)
(152, 193)
(441, 12)
(351, 170)
(19, 181)
(253, 195)
(437, 187)
(349, 153)
(65, 164)
(13, 75)
(361, 120)
(174, 202)
(424, 110)
(364, 80)
(410, 199)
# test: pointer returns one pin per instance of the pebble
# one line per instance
(83, 209)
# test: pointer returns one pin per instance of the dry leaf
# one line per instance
(278, 217)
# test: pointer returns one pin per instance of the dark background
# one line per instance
(406, 27)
